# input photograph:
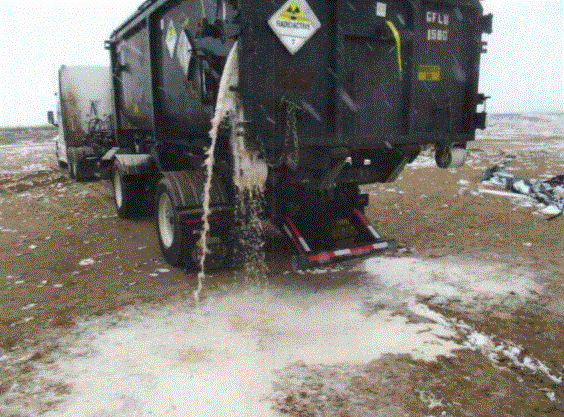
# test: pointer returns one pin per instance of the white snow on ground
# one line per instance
(465, 285)
(424, 160)
(470, 284)
(87, 262)
(17, 157)
(512, 126)
(478, 341)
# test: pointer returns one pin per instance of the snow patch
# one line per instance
(87, 262)
(470, 285)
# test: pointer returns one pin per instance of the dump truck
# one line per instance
(324, 96)
(83, 114)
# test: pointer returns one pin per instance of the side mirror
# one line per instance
(51, 118)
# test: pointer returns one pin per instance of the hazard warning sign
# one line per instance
(294, 24)
(171, 38)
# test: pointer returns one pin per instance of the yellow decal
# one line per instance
(136, 108)
(294, 13)
(428, 73)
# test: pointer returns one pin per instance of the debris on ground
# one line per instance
(549, 192)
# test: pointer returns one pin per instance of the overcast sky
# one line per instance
(523, 69)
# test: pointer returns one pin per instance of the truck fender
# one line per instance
(135, 164)
(187, 189)
(77, 153)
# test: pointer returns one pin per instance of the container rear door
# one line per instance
(446, 61)
(376, 73)
(373, 66)
(271, 75)
(408, 71)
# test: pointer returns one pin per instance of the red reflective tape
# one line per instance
(293, 239)
(194, 220)
(362, 248)
(321, 256)
(297, 245)
(361, 217)
(295, 230)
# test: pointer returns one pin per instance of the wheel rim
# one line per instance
(117, 189)
(165, 214)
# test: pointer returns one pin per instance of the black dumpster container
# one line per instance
(366, 74)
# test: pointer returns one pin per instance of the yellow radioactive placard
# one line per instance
(171, 33)
(293, 13)
(171, 38)
(294, 23)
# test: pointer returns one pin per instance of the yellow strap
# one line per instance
(398, 42)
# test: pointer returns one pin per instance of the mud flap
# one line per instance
(219, 245)
(82, 163)
(85, 169)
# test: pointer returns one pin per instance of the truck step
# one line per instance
(310, 257)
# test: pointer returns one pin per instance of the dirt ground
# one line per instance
(65, 258)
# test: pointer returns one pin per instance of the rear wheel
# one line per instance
(128, 195)
(169, 229)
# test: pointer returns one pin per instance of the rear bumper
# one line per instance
(308, 261)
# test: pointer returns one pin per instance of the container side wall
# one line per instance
(169, 70)
(133, 70)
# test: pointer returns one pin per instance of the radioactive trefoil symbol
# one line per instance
(293, 10)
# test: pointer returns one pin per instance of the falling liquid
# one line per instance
(249, 176)
(250, 236)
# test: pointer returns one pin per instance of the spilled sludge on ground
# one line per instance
(257, 352)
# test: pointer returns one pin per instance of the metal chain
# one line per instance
(291, 157)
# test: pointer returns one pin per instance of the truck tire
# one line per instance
(169, 230)
(128, 195)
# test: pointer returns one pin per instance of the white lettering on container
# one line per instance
(437, 35)
(438, 18)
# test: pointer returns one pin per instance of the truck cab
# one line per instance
(83, 114)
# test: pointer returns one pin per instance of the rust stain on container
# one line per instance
(294, 78)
